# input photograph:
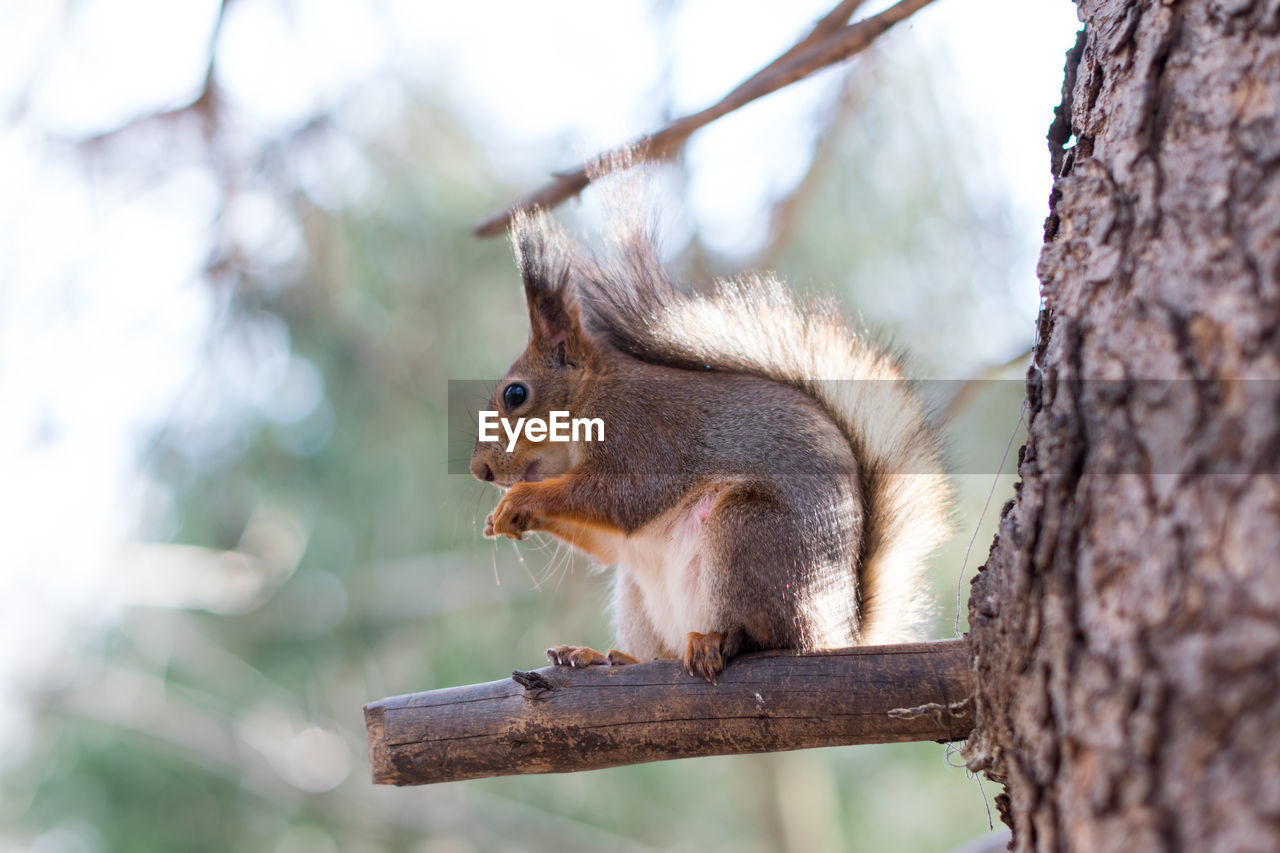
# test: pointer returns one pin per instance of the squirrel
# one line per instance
(766, 479)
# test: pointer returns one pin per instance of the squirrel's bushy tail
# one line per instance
(752, 325)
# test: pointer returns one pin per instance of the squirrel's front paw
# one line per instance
(512, 517)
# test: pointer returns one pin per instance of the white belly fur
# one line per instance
(666, 560)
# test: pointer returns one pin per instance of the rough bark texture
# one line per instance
(559, 719)
(1126, 627)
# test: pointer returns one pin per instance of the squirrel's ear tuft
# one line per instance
(544, 265)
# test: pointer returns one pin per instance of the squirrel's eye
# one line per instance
(514, 395)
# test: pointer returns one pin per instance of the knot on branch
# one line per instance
(534, 683)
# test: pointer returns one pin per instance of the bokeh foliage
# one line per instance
(238, 727)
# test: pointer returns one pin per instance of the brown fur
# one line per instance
(766, 479)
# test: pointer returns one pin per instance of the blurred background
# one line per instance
(236, 275)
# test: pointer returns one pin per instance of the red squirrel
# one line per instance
(766, 478)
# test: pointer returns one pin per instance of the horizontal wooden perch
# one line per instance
(558, 719)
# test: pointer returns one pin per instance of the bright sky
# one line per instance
(102, 311)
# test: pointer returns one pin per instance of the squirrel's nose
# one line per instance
(481, 471)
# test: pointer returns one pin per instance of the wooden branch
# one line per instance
(559, 719)
(827, 44)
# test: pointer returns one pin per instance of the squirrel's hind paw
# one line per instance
(586, 656)
(702, 655)
(705, 655)
(617, 658)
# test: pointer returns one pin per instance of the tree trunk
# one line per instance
(1126, 627)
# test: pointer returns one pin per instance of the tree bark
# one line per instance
(1126, 628)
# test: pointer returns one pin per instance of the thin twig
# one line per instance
(969, 389)
(824, 46)
(829, 24)
(787, 212)
(205, 104)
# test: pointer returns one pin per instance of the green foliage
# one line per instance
(240, 729)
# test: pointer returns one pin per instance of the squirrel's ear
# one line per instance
(544, 266)
(550, 316)
(553, 320)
